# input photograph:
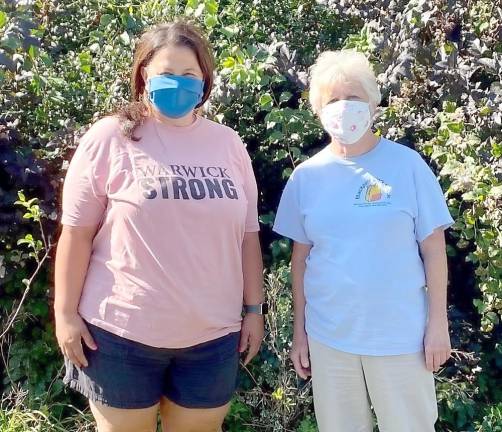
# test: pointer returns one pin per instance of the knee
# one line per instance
(122, 425)
(124, 420)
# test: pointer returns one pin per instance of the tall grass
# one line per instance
(17, 414)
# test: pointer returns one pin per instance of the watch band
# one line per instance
(260, 309)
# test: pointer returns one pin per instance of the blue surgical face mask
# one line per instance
(175, 95)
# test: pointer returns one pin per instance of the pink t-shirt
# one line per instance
(172, 209)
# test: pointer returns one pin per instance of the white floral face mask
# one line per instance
(346, 120)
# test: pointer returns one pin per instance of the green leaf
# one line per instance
(483, 26)
(33, 52)
(265, 101)
(485, 111)
(210, 21)
(229, 63)
(47, 59)
(105, 20)
(211, 7)
(3, 19)
(493, 317)
(230, 31)
(267, 219)
(85, 62)
(296, 152)
(287, 172)
(480, 306)
(449, 106)
(21, 203)
(11, 42)
(276, 136)
(448, 48)
(456, 127)
(32, 201)
(285, 96)
(281, 154)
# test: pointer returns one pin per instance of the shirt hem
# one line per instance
(77, 223)
(126, 334)
(363, 351)
(290, 236)
(442, 227)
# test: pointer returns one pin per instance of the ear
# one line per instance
(144, 75)
(373, 109)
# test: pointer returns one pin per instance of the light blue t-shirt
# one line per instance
(364, 217)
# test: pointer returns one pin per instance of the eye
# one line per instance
(332, 101)
(354, 97)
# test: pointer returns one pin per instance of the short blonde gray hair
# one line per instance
(345, 65)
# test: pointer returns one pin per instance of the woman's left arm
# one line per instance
(252, 267)
(437, 338)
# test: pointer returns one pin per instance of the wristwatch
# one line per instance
(260, 309)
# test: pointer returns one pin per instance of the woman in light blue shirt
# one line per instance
(367, 217)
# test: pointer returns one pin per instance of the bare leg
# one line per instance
(179, 419)
(111, 419)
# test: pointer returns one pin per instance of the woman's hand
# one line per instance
(70, 330)
(253, 330)
(437, 344)
(300, 354)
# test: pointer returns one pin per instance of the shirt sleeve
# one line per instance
(84, 189)
(250, 189)
(289, 220)
(431, 210)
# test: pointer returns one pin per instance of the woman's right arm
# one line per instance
(72, 259)
(300, 349)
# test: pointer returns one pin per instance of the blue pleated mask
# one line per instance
(175, 95)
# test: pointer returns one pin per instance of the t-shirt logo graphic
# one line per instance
(373, 192)
(181, 182)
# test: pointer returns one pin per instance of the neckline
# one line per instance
(164, 127)
(350, 160)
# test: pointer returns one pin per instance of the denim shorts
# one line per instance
(127, 374)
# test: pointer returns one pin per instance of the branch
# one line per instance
(26, 291)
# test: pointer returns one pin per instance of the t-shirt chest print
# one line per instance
(184, 182)
(372, 192)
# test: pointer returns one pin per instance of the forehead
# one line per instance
(175, 55)
(344, 87)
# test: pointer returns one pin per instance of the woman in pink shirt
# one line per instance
(159, 250)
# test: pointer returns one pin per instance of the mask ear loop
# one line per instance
(375, 113)
(201, 107)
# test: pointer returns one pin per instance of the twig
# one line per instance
(26, 291)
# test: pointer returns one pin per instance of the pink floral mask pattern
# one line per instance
(346, 120)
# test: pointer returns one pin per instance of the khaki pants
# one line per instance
(400, 389)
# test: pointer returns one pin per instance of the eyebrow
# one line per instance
(349, 96)
(186, 70)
